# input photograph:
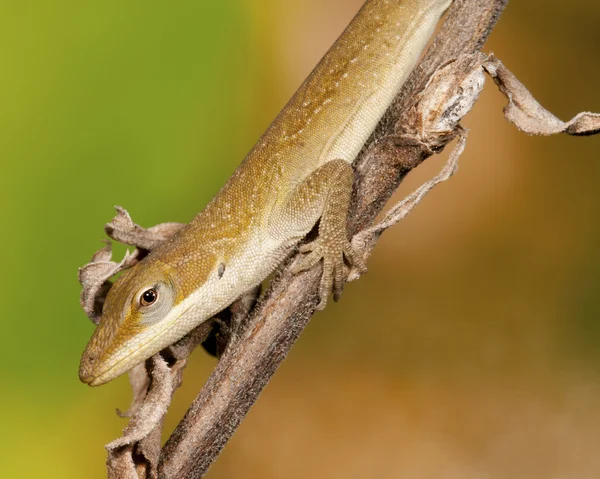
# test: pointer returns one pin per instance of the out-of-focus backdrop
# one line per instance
(472, 347)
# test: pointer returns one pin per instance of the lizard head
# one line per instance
(139, 310)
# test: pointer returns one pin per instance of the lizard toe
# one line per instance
(338, 278)
(332, 279)
(307, 262)
(326, 283)
(354, 259)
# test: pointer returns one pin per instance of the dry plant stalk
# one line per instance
(257, 335)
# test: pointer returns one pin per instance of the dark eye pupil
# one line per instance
(148, 297)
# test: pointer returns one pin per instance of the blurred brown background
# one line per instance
(471, 349)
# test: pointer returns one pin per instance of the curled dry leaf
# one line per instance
(448, 96)
(139, 381)
(525, 112)
(153, 384)
(94, 279)
(122, 229)
(139, 447)
(177, 355)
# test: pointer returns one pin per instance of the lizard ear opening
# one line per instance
(221, 270)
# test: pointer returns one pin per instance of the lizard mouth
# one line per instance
(95, 369)
(92, 375)
(86, 369)
(95, 372)
(92, 372)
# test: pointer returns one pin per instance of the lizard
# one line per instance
(297, 176)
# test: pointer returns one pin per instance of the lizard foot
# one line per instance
(332, 253)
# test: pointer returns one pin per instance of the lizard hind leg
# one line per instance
(325, 194)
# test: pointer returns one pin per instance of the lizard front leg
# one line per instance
(325, 195)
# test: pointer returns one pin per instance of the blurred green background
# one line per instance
(472, 347)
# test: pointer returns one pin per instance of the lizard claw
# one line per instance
(332, 254)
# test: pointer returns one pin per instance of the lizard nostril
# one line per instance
(86, 368)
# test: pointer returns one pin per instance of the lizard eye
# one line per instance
(154, 302)
(148, 297)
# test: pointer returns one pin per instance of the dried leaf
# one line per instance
(164, 231)
(524, 111)
(152, 411)
(94, 276)
(103, 255)
(139, 381)
(121, 466)
(142, 434)
(124, 230)
(448, 96)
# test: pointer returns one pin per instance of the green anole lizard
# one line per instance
(299, 173)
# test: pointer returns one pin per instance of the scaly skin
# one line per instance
(297, 173)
